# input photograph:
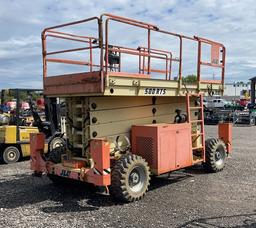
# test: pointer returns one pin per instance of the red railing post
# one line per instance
(139, 49)
(90, 45)
(170, 68)
(100, 28)
(223, 64)
(119, 66)
(149, 51)
(166, 68)
(199, 61)
(106, 45)
(144, 59)
(44, 52)
(180, 65)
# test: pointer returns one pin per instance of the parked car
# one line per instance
(217, 103)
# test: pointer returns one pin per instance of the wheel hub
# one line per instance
(135, 178)
(11, 155)
(217, 155)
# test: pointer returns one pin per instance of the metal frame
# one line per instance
(102, 42)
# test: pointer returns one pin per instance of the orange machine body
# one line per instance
(74, 168)
(166, 147)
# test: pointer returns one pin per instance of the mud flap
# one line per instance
(100, 153)
(225, 134)
(37, 161)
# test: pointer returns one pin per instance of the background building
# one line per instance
(235, 89)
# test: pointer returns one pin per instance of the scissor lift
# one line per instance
(111, 112)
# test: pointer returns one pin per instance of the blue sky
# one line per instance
(21, 21)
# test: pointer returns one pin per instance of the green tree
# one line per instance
(191, 78)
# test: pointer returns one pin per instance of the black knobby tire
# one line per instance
(11, 154)
(130, 178)
(215, 155)
(56, 142)
(55, 155)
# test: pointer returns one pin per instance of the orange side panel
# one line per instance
(183, 146)
(166, 147)
(72, 83)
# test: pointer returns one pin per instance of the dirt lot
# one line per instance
(189, 198)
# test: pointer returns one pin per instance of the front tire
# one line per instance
(130, 178)
(215, 155)
(55, 155)
(11, 154)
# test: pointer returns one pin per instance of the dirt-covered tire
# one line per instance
(56, 142)
(55, 155)
(130, 178)
(215, 155)
(11, 154)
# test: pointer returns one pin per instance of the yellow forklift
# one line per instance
(19, 118)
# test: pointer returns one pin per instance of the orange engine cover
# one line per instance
(165, 147)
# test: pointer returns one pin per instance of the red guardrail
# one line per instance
(145, 54)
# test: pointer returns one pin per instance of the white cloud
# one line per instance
(231, 22)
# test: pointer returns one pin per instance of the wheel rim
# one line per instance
(137, 179)
(57, 143)
(11, 155)
(219, 157)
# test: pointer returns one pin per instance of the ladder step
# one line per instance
(195, 95)
(79, 159)
(79, 132)
(197, 161)
(194, 108)
(197, 134)
(77, 145)
(196, 121)
(196, 148)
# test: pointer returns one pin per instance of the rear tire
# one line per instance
(215, 155)
(130, 178)
(55, 155)
(56, 142)
(11, 154)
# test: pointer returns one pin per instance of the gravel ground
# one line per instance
(189, 198)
